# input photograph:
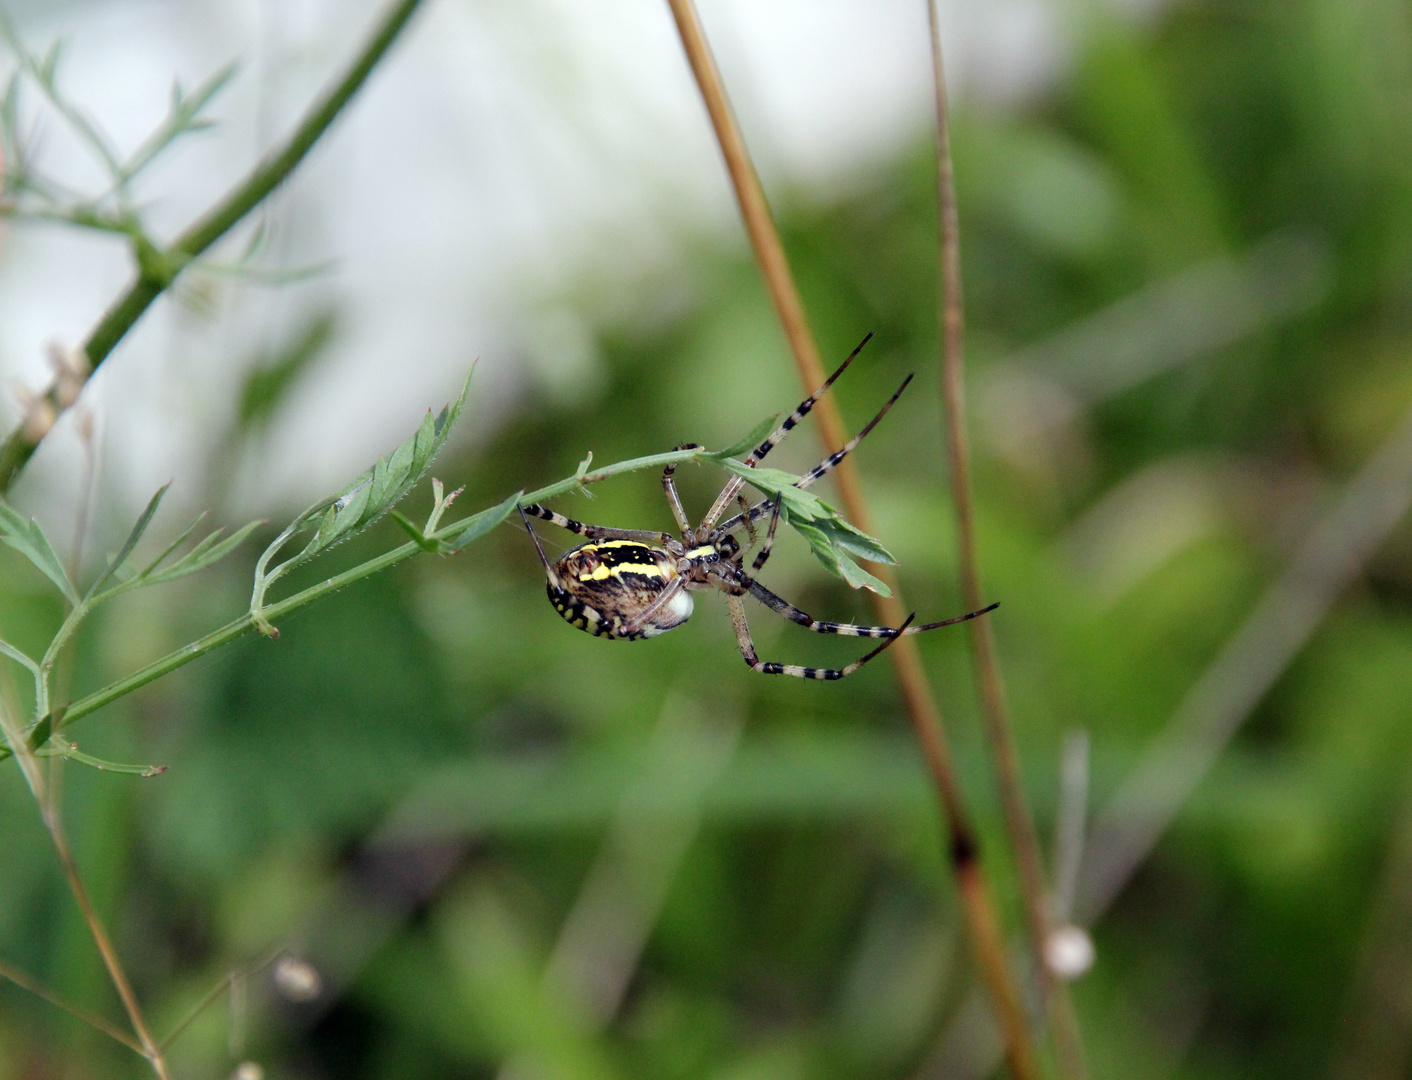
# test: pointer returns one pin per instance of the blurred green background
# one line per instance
(512, 849)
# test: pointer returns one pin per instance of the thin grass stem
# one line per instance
(977, 902)
(1019, 822)
(53, 822)
(93, 1020)
(227, 981)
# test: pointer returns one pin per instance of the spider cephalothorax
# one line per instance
(635, 583)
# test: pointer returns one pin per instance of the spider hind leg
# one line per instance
(748, 654)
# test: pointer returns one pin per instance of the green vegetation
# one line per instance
(506, 845)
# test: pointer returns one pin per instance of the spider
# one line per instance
(632, 584)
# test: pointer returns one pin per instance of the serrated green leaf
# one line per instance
(834, 542)
(804, 505)
(26, 537)
(856, 542)
(463, 533)
(748, 442)
(391, 477)
(859, 578)
(364, 500)
(144, 520)
(209, 550)
(344, 516)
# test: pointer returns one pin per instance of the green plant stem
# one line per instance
(238, 628)
(231, 631)
(158, 269)
(1019, 822)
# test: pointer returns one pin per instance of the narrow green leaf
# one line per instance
(10, 113)
(131, 542)
(409, 527)
(197, 100)
(209, 550)
(170, 548)
(750, 441)
(824, 538)
(818, 544)
(804, 505)
(271, 377)
(29, 540)
(183, 116)
(49, 66)
(462, 533)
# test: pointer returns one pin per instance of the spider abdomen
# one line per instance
(604, 588)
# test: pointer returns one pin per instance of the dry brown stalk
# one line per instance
(1019, 822)
(977, 902)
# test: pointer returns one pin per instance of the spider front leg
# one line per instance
(764, 552)
(747, 649)
(599, 532)
(760, 509)
(669, 485)
(733, 487)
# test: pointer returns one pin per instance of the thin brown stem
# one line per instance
(149, 1048)
(1019, 822)
(226, 983)
(48, 810)
(93, 1020)
(926, 718)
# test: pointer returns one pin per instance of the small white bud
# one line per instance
(248, 1070)
(297, 979)
(1069, 951)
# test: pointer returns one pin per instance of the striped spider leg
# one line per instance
(733, 486)
(737, 583)
(631, 584)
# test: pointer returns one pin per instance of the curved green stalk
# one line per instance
(158, 269)
(245, 624)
